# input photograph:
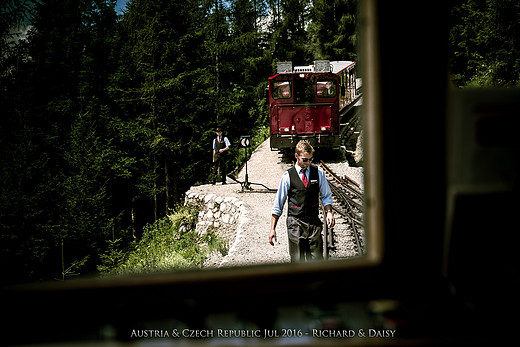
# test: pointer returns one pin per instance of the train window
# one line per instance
(282, 90)
(326, 89)
(304, 90)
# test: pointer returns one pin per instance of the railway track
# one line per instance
(347, 239)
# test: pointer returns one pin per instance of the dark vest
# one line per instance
(218, 146)
(304, 202)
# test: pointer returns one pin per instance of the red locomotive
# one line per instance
(306, 102)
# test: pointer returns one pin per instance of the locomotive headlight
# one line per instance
(323, 128)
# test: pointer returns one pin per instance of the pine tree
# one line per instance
(484, 43)
(108, 120)
(333, 30)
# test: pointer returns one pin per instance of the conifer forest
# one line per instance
(107, 117)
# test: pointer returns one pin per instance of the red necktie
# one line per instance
(304, 177)
(219, 139)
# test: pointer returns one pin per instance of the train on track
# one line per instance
(308, 102)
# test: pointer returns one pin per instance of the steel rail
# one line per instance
(350, 180)
(349, 211)
(348, 214)
(355, 231)
(342, 182)
(352, 222)
(345, 197)
(346, 200)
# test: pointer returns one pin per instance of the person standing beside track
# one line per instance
(221, 145)
(302, 185)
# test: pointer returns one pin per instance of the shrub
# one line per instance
(169, 243)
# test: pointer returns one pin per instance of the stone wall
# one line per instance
(221, 214)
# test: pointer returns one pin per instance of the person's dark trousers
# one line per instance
(220, 162)
(305, 240)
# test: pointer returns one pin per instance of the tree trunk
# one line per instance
(134, 233)
(217, 70)
(155, 198)
(167, 179)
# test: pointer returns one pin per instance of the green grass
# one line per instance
(171, 243)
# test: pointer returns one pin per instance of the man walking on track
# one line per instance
(220, 146)
(302, 185)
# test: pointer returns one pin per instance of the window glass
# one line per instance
(326, 89)
(304, 90)
(282, 90)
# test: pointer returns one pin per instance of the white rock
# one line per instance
(225, 218)
(207, 198)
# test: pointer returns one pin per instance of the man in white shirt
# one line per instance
(221, 145)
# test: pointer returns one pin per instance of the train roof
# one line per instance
(320, 66)
(340, 65)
